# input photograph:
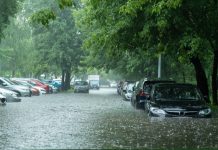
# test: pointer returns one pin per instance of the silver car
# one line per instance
(81, 86)
(10, 95)
(21, 90)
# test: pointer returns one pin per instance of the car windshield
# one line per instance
(172, 92)
(81, 83)
(130, 86)
(9, 81)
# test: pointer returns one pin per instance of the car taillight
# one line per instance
(142, 93)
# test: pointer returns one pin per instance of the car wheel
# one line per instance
(146, 107)
(132, 102)
(136, 105)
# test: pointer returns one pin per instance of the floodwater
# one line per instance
(99, 120)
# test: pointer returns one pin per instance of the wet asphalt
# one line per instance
(98, 120)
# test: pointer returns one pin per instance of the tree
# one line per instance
(17, 52)
(159, 26)
(60, 44)
(7, 8)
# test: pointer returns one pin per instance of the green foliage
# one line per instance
(7, 8)
(64, 3)
(43, 16)
(17, 49)
(59, 44)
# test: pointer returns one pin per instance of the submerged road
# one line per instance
(99, 120)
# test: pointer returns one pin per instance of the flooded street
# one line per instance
(100, 120)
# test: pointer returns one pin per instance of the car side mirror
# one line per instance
(206, 98)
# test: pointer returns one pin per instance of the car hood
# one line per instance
(81, 86)
(20, 87)
(5, 91)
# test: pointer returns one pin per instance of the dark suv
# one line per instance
(141, 92)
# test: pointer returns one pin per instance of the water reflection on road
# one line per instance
(100, 119)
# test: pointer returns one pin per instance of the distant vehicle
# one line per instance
(9, 95)
(177, 100)
(94, 81)
(141, 91)
(21, 90)
(113, 84)
(81, 86)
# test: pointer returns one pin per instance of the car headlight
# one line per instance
(13, 94)
(205, 111)
(158, 111)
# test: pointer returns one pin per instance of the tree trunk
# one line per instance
(67, 80)
(201, 77)
(183, 75)
(13, 73)
(63, 80)
(214, 78)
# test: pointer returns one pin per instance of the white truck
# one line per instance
(94, 81)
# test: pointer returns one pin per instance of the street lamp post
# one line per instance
(159, 66)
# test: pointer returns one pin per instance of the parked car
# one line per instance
(21, 90)
(141, 91)
(56, 86)
(26, 81)
(9, 95)
(127, 92)
(177, 100)
(124, 87)
(120, 87)
(81, 86)
(34, 90)
(36, 82)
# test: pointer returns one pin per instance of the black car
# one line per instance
(141, 91)
(177, 100)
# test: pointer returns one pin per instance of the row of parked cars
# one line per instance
(165, 98)
(11, 90)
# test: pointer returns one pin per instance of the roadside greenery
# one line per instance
(120, 31)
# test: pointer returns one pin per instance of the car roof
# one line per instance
(158, 81)
(174, 84)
